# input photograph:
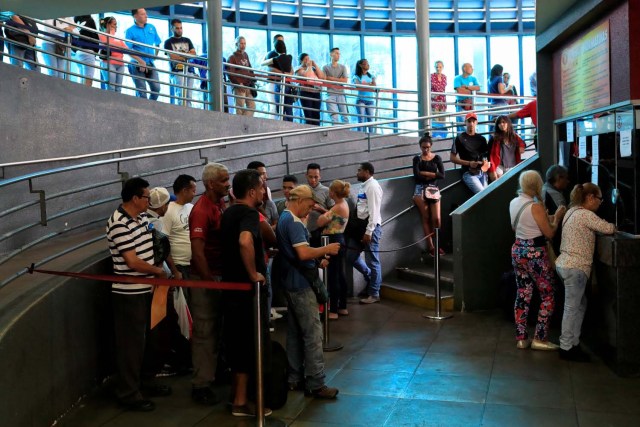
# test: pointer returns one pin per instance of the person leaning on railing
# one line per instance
(310, 94)
(53, 44)
(21, 29)
(144, 72)
(365, 101)
(281, 63)
(181, 73)
(87, 49)
(112, 54)
(244, 82)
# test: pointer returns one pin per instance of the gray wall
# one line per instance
(482, 239)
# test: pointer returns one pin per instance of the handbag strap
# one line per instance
(515, 222)
(566, 218)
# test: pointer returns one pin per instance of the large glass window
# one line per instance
(441, 49)
(474, 51)
(504, 51)
(228, 39)
(377, 51)
(406, 78)
(528, 62)
(193, 31)
(317, 46)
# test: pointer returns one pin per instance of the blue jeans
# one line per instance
(24, 57)
(575, 305)
(476, 183)
(337, 103)
(304, 339)
(353, 259)
(365, 113)
(141, 85)
(373, 269)
(114, 79)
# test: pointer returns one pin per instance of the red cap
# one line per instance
(470, 116)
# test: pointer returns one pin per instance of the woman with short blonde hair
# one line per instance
(530, 259)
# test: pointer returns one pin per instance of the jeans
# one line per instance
(575, 305)
(365, 113)
(113, 76)
(476, 183)
(304, 339)
(311, 107)
(54, 63)
(336, 277)
(372, 261)
(353, 259)
(205, 306)
(24, 57)
(288, 102)
(181, 79)
(141, 85)
(337, 102)
(86, 65)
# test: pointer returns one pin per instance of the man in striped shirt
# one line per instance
(131, 247)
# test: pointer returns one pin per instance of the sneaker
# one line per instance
(275, 315)
(441, 251)
(204, 396)
(333, 316)
(324, 392)
(167, 371)
(248, 410)
(343, 312)
(370, 300)
(575, 354)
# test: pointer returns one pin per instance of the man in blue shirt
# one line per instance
(466, 84)
(144, 73)
(304, 331)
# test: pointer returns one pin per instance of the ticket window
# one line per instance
(603, 149)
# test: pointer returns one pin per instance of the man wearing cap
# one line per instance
(470, 151)
(304, 335)
(131, 248)
(159, 199)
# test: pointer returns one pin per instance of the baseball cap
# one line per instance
(301, 192)
(158, 197)
(470, 116)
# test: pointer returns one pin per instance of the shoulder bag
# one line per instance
(431, 192)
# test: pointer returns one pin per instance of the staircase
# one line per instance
(415, 283)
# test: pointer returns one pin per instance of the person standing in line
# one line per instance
(243, 82)
(323, 203)
(55, 51)
(465, 84)
(176, 223)
(530, 260)
(86, 48)
(366, 98)
(470, 151)
(336, 101)
(243, 262)
(143, 72)
(131, 247)
(427, 170)
(334, 222)
(181, 73)
(505, 149)
(289, 182)
(574, 263)
(112, 54)
(369, 202)
(298, 262)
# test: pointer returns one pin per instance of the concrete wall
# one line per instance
(482, 239)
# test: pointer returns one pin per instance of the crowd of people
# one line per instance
(234, 233)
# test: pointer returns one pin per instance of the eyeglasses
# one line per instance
(146, 197)
(598, 197)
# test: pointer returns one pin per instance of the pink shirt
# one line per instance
(115, 57)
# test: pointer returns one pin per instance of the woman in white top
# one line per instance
(574, 263)
(530, 259)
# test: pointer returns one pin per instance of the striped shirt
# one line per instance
(124, 234)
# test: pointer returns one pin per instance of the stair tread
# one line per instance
(417, 288)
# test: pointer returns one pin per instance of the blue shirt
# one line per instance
(291, 232)
(493, 88)
(147, 35)
(364, 79)
(464, 81)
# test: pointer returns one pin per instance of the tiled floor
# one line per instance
(399, 369)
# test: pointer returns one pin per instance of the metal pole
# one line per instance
(214, 54)
(436, 269)
(424, 79)
(259, 345)
(327, 345)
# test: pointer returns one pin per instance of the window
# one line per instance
(406, 78)
(528, 62)
(377, 51)
(504, 51)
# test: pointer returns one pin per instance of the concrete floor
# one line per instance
(399, 369)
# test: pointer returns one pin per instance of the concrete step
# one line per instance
(423, 275)
(419, 295)
(446, 260)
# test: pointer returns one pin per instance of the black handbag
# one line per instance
(252, 87)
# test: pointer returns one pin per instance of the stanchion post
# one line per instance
(436, 270)
(327, 345)
(259, 368)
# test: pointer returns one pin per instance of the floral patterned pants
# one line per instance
(531, 265)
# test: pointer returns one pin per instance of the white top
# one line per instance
(176, 226)
(527, 228)
(369, 204)
(58, 24)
